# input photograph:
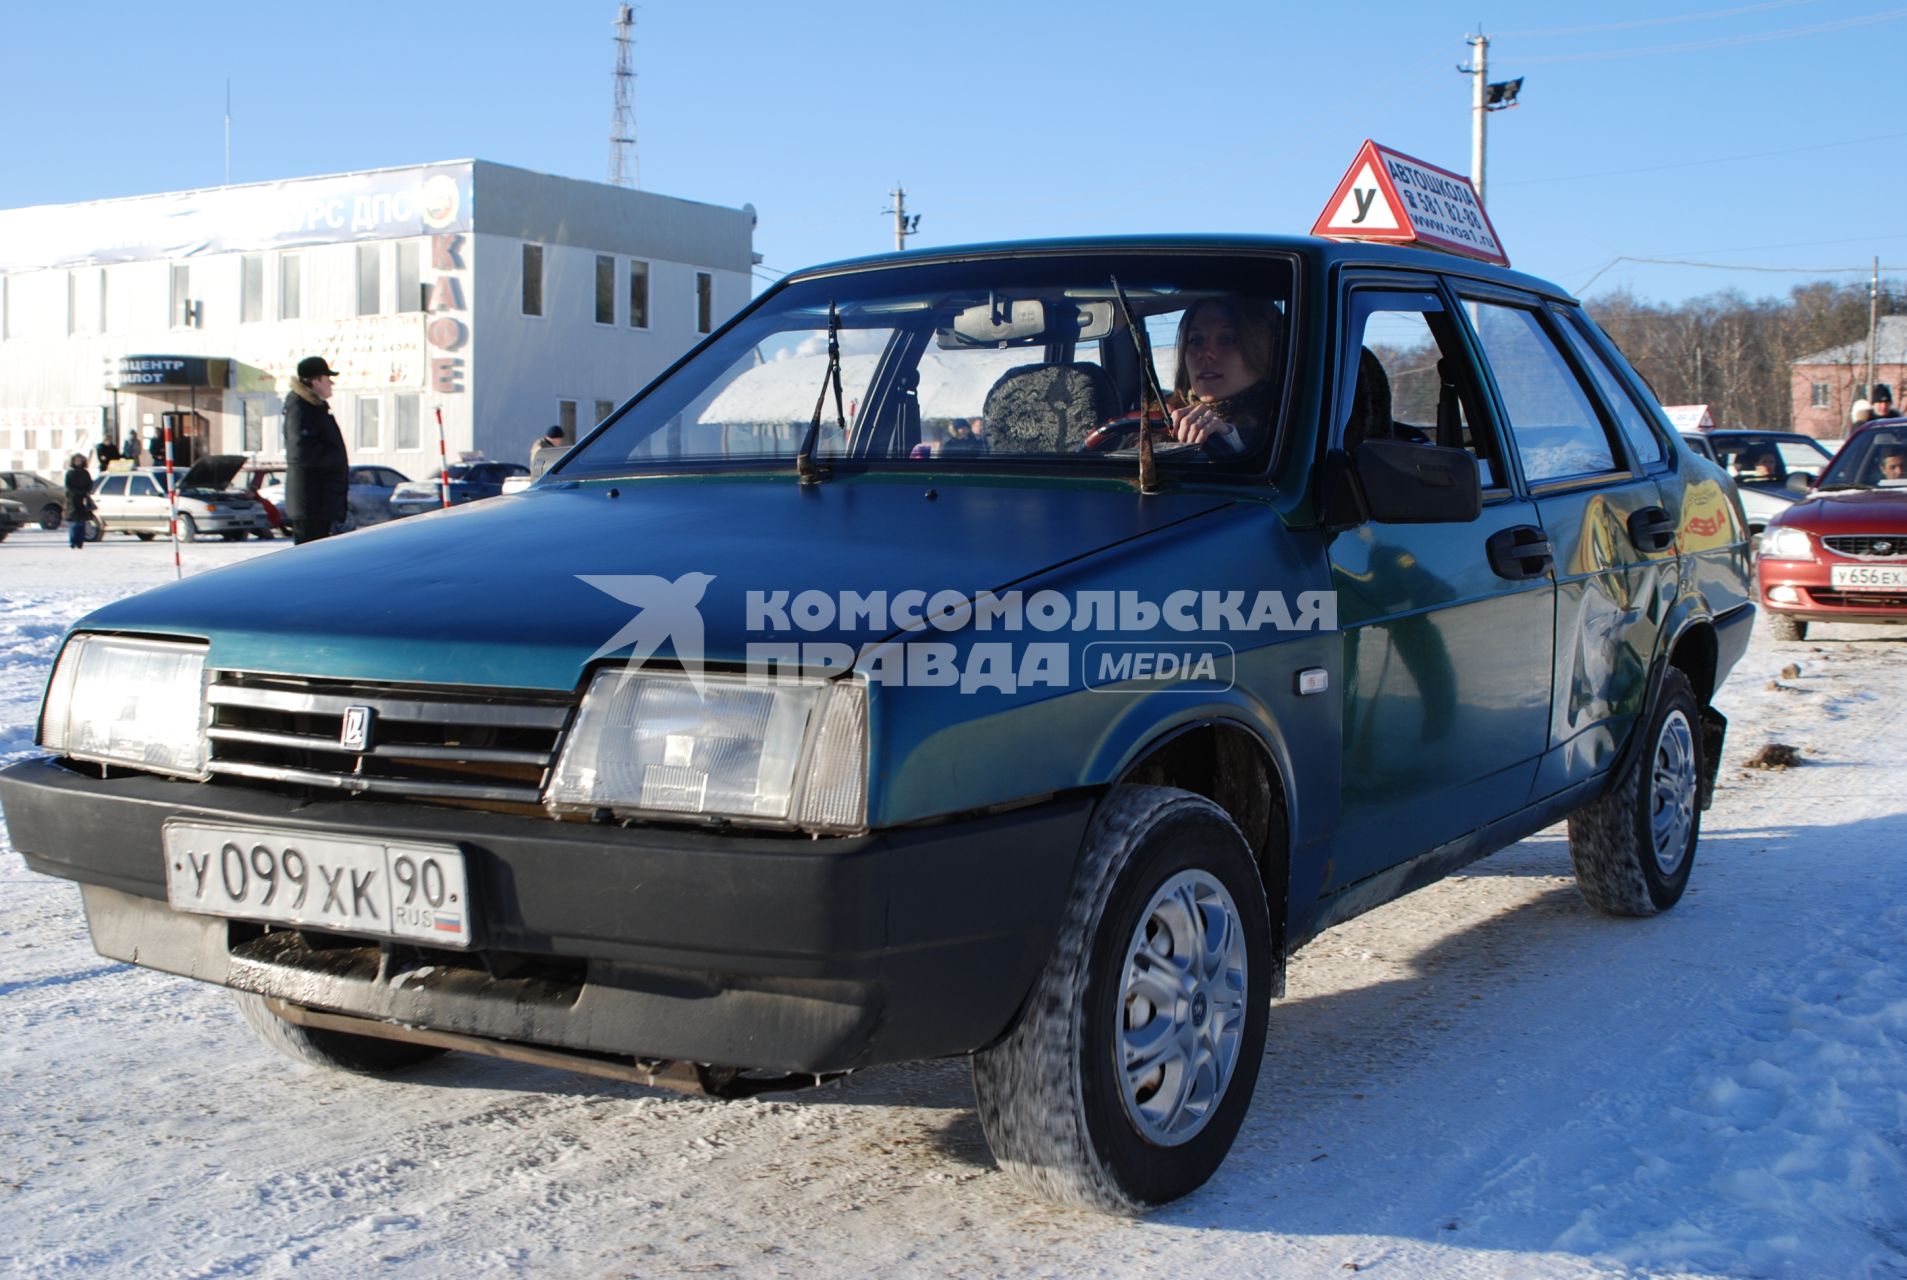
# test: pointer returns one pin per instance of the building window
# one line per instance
(251, 425)
(410, 290)
(367, 422)
(404, 421)
(370, 280)
(605, 289)
(251, 288)
(1817, 395)
(604, 408)
(181, 296)
(704, 302)
(638, 295)
(566, 419)
(291, 279)
(532, 279)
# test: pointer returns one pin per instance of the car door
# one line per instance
(109, 501)
(1446, 628)
(1580, 450)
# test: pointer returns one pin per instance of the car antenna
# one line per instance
(1148, 393)
(805, 469)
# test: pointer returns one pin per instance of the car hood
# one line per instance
(524, 591)
(1850, 511)
(214, 472)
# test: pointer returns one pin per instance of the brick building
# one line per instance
(1827, 383)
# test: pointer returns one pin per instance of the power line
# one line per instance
(1650, 22)
(1723, 41)
(1728, 266)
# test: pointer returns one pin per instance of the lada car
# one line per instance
(1287, 576)
(13, 515)
(465, 481)
(1841, 554)
(43, 497)
(135, 501)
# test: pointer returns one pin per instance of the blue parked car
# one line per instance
(1272, 580)
(469, 481)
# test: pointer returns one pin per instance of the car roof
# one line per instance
(1325, 254)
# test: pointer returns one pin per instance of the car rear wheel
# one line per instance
(1129, 1072)
(1633, 849)
(1784, 626)
(50, 516)
(145, 537)
(337, 1050)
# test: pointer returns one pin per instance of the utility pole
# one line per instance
(1479, 95)
(625, 170)
(1484, 98)
(904, 225)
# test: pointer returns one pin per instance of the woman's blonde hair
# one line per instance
(1258, 323)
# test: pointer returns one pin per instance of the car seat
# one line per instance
(1047, 408)
(1370, 403)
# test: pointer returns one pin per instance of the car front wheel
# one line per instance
(337, 1050)
(1784, 626)
(1129, 1072)
(188, 528)
(1634, 848)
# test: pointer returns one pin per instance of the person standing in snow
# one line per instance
(79, 501)
(317, 471)
(547, 450)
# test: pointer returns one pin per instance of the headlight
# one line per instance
(1786, 544)
(783, 753)
(121, 701)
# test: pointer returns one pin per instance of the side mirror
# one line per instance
(1417, 483)
(1799, 482)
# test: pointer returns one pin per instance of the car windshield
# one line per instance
(1874, 459)
(992, 363)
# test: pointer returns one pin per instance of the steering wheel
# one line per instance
(1124, 433)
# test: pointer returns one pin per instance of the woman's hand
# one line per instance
(1200, 424)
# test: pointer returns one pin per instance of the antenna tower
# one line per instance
(624, 169)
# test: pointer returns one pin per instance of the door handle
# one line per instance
(1652, 529)
(1520, 551)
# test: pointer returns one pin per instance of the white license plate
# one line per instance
(391, 888)
(1869, 577)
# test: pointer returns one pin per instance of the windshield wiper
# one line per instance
(1148, 393)
(805, 469)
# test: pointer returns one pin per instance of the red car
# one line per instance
(1840, 554)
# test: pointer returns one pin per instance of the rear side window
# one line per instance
(1556, 428)
(143, 487)
(112, 486)
(1631, 419)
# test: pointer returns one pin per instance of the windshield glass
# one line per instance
(1874, 459)
(991, 363)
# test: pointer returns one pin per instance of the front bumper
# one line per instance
(1804, 589)
(763, 951)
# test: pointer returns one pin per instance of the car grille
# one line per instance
(424, 741)
(1868, 546)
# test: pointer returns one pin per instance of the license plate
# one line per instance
(1869, 577)
(391, 888)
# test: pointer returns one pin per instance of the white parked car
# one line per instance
(135, 501)
(1771, 469)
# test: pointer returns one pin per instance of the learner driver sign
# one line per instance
(1386, 195)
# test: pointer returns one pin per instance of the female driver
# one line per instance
(1222, 392)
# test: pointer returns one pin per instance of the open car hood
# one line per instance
(214, 472)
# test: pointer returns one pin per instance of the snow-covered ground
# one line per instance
(1485, 1079)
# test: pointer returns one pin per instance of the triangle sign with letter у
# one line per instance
(1389, 196)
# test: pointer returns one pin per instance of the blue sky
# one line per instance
(1747, 134)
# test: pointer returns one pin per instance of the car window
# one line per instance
(1697, 444)
(1557, 431)
(1406, 377)
(142, 487)
(112, 486)
(1631, 419)
(6, 481)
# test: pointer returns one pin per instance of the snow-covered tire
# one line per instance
(1066, 1116)
(1634, 848)
(1785, 626)
(337, 1050)
(188, 527)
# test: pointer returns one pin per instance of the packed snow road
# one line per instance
(1484, 1079)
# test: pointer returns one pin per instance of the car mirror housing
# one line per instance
(1405, 483)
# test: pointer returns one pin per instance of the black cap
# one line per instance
(1882, 392)
(554, 433)
(314, 367)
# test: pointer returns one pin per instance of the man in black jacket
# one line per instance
(317, 472)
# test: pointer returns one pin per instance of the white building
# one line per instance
(510, 301)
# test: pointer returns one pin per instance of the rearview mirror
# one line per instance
(1023, 322)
